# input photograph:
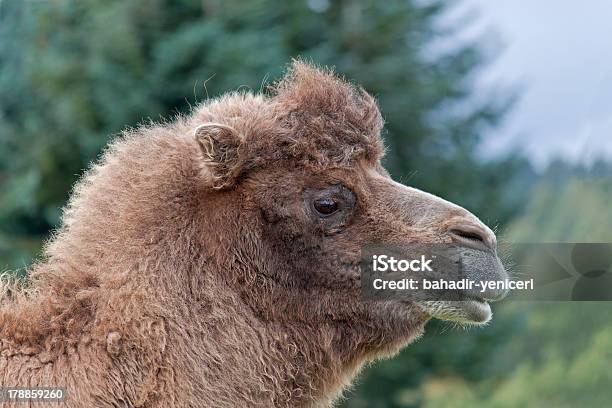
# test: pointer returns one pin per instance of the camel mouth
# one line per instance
(470, 310)
(457, 286)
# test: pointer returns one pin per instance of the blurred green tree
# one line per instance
(73, 73)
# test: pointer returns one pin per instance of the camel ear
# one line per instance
(219, 144)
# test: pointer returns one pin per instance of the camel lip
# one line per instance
(477, 311)
(467, 311)
(476, 298)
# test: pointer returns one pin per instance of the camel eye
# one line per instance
(325, 206)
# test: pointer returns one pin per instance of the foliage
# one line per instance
(74, 73)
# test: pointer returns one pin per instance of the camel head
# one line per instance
(301, 173)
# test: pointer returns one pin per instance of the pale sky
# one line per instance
(559, 53)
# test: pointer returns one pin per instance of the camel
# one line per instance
(212, 261)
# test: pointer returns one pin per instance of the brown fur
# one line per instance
(187, 273)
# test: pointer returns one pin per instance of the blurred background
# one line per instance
(503, 107)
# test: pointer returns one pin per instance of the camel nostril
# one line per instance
(467, 235)
(472, 237)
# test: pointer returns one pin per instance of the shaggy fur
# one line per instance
(189, 272)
